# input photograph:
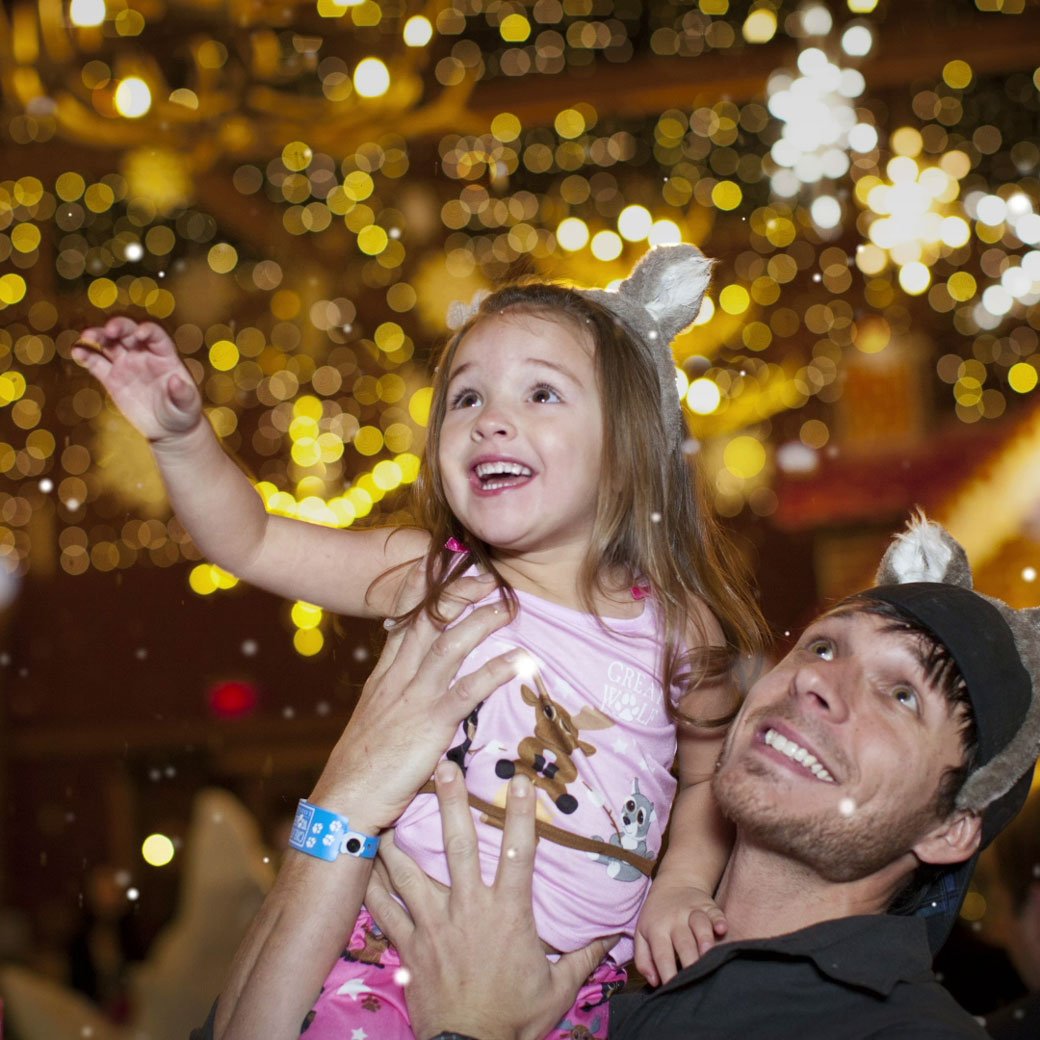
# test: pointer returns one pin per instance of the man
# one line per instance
(863, 774)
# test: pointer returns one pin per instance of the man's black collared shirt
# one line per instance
(857, 978)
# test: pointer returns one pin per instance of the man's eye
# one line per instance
(822, 648)
(907, 697)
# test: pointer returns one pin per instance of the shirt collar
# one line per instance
(873, 952)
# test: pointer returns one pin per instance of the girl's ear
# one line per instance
(955, 840)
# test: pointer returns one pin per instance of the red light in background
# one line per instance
(232, 699)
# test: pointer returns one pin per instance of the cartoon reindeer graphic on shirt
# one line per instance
(545, 757)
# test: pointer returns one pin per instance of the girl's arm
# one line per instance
(680, 921)
(140, 368)
(404, 721)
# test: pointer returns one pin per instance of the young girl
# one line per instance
(555, 462)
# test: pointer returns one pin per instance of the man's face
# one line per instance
(836, 758)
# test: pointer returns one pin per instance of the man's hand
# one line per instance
(140, 368)
(476, 963)
(410, 707)
(678, 922)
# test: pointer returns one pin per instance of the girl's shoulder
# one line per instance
(702, 626)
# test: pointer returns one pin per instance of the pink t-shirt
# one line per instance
(611, 779)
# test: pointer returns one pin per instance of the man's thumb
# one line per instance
(572, 969)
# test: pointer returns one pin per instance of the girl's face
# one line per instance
(522, 439)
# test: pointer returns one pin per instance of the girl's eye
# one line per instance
(465, 399)
(822, 648)
(544, 394)
(907, 697)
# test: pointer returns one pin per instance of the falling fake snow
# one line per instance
(402, 976)
(846, 807)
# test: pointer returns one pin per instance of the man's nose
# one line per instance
(822, 687)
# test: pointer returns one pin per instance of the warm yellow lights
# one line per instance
(223, 355)
(308, 641)
(635, 223)
(1022, 377)
(87, 13)
(12, 289)
(665, 232)
(726, 195)
(206, 578)
(306, 615)
(703, 396)
(744, 456)
(132, 98)
(506, 127)
(569, 124)
(157, 850)
(417, 31)
(914, 278)
(572, 234)
(371, 78)
(759, 26)
(957, 74)
(734, 299)
(514, 28)
(222, 258)
(606, 245)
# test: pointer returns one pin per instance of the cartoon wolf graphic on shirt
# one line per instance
(636, 816)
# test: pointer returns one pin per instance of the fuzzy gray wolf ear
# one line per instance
(660, 298)
(924, 552)
(995, 779)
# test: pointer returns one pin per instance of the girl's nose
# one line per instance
(493, 423)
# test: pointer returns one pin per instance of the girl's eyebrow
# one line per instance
(538, 361)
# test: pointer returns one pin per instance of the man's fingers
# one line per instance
(408, 881)
(387, 912)
(475, 687)
(516, 863)
(460, 836)
(572, 969)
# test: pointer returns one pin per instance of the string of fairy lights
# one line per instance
(298, 199)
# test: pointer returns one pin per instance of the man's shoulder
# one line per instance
(869, 976)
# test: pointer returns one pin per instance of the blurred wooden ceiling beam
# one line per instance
(907, 50)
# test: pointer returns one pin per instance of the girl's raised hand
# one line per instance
(139, 366)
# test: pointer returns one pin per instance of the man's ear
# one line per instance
(954, 840)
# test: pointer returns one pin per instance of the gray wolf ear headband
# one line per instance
(661, 297)
(925, 573)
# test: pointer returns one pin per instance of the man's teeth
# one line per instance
(778, 742)
(486, 471)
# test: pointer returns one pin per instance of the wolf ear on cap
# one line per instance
(924, 552)
(669, 283)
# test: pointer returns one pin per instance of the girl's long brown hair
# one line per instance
(652, 523)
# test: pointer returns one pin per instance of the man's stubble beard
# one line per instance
(838, 848)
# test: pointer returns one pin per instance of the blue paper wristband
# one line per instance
(327, 835)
